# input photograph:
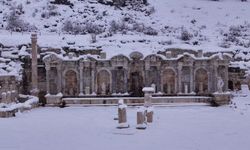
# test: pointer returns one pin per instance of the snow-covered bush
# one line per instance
(150, 10)
(185, 35)
(68, 26)
(150, 31)
(50, 12)
(93, 28)
(237, 35)
(14, 23)
(62, 2)
(78, 28)
(139, 27)
(118, 26)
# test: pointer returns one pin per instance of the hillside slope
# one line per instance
(192, 24)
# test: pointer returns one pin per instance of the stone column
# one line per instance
(59, 80)
(191, 80)
(94, 90)
(179, 77)
(34, 90)
(126, 81)
(47, 78)
(81, 80)
(226, 78)
(215, 76)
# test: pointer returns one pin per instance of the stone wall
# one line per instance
(179, 74)
(8, 88)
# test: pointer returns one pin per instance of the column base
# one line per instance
(53, 99)
(221, 98)
(34, 92)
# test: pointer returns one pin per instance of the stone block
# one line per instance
(141, 118)
(53, 99)
(221, 98)
(7, 114)
(122, 116)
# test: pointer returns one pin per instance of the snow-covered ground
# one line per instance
(93, 128)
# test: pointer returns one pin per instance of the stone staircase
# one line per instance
(134, 101)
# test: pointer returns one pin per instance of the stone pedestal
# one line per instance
(34, 92)
(87, 90)
(148, 91)
(141, 118)
(7, 114)
(122, 116)
(54, 99)
(244, 90)
(221, 98)
(149, 114)
(4, 97)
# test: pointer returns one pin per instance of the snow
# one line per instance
(148, 89)
(12, 106)
(93, 128)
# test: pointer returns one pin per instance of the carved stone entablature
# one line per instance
(186, 60)
(152, 60)
(120, 61)
(52, 58)
(136, 55)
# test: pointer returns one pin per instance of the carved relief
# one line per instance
(168, 81)
(201, 81)
(103, 82)
(71, 87)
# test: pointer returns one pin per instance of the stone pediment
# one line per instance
(136, 55)
(153, 58)
(186, 59)
(52, 58)
(119, 60)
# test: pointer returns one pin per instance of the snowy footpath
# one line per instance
(94, 128)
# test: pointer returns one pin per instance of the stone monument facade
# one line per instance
(182, 74)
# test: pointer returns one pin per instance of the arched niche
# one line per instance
(53, 77)
(186, 79)
(104, 82)
(71, 86)
(201, 81)
(136, 84)
(169, 81)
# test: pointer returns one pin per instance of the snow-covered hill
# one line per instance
(193, 24)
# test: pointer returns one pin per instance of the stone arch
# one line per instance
(201, 81)
(53, 83)
(70, 84)
(186, 79)
(169, 81)
(136, 83)
(222, 73)
(103, 82)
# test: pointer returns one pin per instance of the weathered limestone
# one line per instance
(34, 91)
(148, 91)
(149, 114)
(7, 114)
(54, 99)
(221, 98)
(4, 97)
(103, 55)
(122, 115)
(141, 124)
(170, 73)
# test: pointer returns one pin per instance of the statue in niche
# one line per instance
(220, 84)
(154, 87)
(103, 89)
